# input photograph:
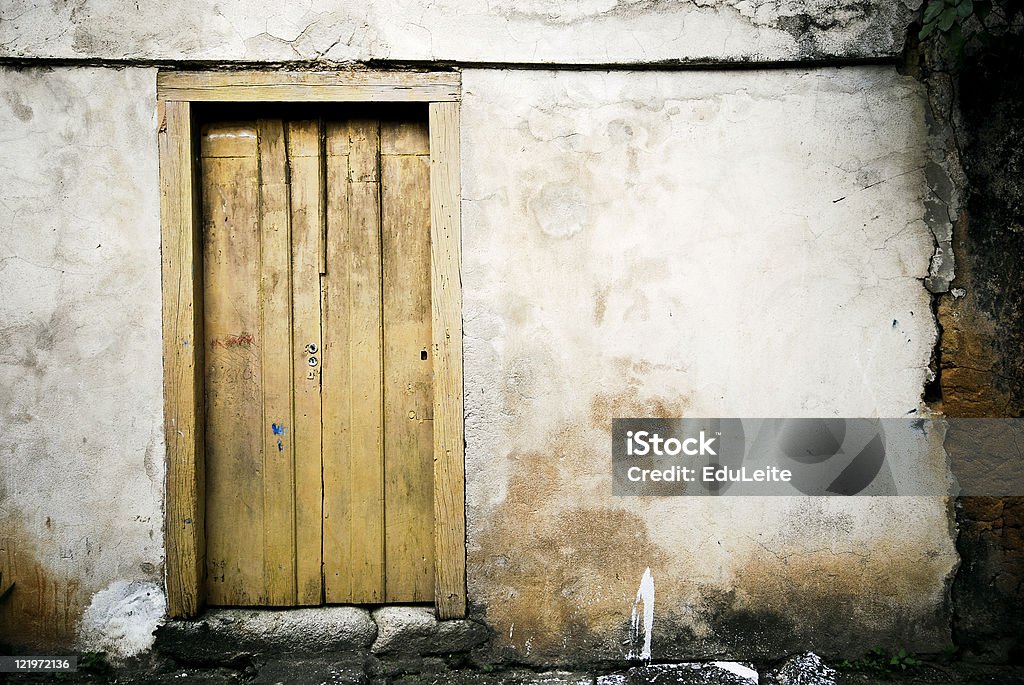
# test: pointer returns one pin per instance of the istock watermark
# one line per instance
(825, 457)
(642, 443)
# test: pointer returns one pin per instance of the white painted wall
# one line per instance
(742, 243)
(81, 427)
(732, 243)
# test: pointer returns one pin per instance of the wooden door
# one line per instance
(319, 436)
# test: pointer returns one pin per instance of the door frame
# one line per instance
(181, 269)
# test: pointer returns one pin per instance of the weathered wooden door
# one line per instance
(316, 264)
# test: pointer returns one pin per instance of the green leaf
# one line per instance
(982, 8)
(935, 7)
(956, 41)
(926, 31)
(956, 47)
(946, 19)
(965, 8)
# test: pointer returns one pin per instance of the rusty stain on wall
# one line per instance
(556, 572)
(784, 601)
(45, 607)
(554, 575)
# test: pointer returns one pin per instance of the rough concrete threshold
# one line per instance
(402, 644)
(224, 635)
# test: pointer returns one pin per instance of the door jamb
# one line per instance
(181, 268)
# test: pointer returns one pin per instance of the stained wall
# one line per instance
(650, 242)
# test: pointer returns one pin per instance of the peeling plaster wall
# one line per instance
(702, 244)
(524, 31)
(81, 428)
(732, 243)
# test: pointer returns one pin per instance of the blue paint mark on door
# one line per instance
(279, 429)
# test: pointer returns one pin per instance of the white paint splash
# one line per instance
(742, 671)
(120, 620)
(645, 596)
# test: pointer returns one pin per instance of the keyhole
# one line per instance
(423, 355)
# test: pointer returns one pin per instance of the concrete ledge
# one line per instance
(222, 635)
(415, 631)
(396, 632)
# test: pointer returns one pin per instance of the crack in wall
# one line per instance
(315, 64)
(658, 31)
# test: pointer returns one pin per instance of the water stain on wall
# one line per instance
(556, 573)
(561, 210)
(44, 608)
(18, 106)
(785, 601)
(555, 569)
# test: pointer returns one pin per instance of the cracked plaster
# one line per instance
(494, 31)
(731, 243)
(692, 244)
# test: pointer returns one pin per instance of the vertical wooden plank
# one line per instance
(181, 274)
(404, 138)
(234, 384)
(334, 383)
(353, 423)
(408, 395)
(366, 358)
(307, 217)
(278, 427)
(446, 301)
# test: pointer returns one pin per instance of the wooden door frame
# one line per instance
(181, 267)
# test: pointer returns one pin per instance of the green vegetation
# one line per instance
(964, 26)
(879, 660)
